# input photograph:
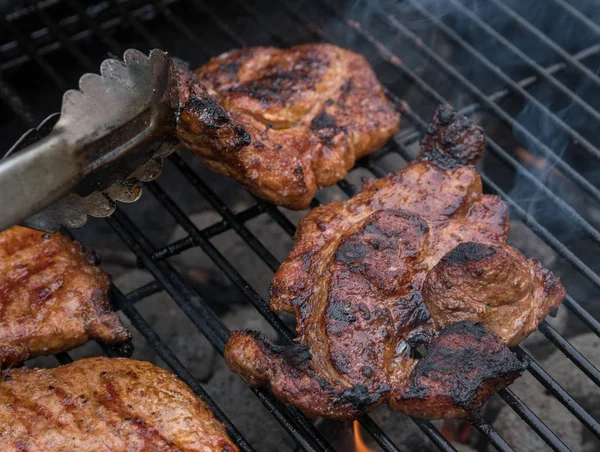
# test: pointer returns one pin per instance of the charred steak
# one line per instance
(292, 120)
(416, 258)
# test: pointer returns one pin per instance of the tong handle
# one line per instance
(53, 172)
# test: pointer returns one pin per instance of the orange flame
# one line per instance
(536, 162)
(359, 443)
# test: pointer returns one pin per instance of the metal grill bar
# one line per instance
(570, 352)
(495, 439)
(561, 395)
(43, 49)
(16, 104)
(532, 420)
(578, 15)
(85, 62)
(29, 48)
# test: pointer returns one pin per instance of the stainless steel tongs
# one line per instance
(111, 135)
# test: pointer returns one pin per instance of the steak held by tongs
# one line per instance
(417, 258)
(311, 111)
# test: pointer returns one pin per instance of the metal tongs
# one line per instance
(111, 134)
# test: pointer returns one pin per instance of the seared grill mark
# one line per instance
(108, 404)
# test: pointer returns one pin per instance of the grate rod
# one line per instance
(533, 421)
(63, 358)
(85, 62)
(570, 352)
(145, 291)
(26, 44)
(136, 319)
(212, 252)
(215, 229)
(434, 434)
(135, 24)
(582, 314)
(578, 15)
(563, 396)
(501, 94)
(224, 211)
(570, 59)
(16, 104)
(91, 23)
(495, 439)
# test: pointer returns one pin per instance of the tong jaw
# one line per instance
(112, 134)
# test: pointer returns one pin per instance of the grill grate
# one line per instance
(322, 21)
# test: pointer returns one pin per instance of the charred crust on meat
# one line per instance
(230, 68)
(340, 311)
(347, 86)
(323, 121)
(418, 337)
(243, 135)
(410, 312)
(296, 355)
(359, 397)
(460, 371)
(468, 252)
(350, 252)
(452, 140)
(212, 114)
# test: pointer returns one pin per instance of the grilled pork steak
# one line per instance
(102, 404)
(416, 258)
(308, 113)
(52, 297)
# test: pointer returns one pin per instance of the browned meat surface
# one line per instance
(52, 297)
(417, 258)
(309, 112)
(103, 404)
